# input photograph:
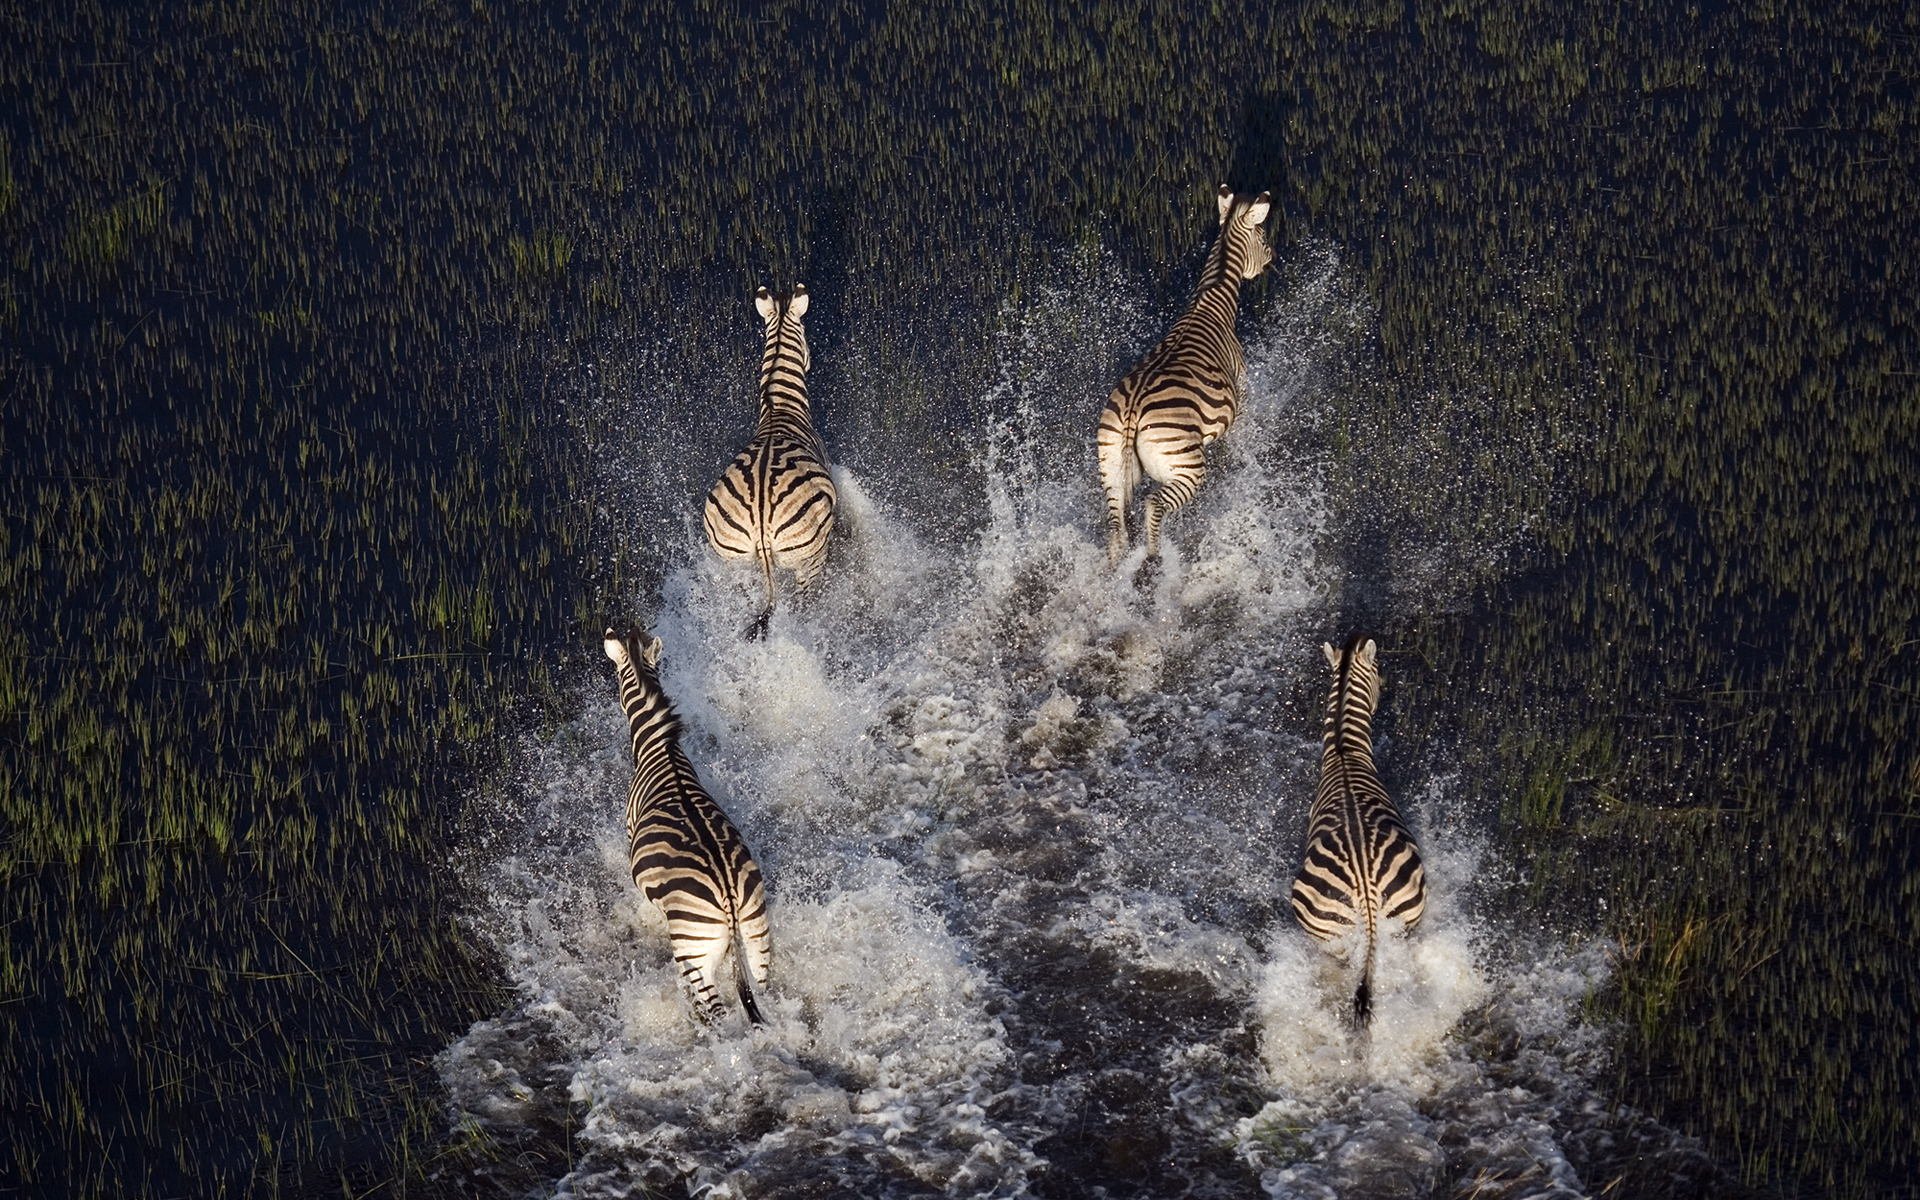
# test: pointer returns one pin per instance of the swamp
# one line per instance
(360, 362)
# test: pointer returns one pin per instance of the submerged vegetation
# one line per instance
(289, 534)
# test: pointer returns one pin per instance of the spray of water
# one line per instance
(1028, 831)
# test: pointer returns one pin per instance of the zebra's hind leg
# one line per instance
(808, 569)
(1177, 475)
(805, 572)
(697, 975)
(1119, 476)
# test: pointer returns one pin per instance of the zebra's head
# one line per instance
(792, 305)
(1245, 242)
(632, 646)
(786, 336)
(1355, 666)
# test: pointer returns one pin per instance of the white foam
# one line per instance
(1008, 806)
(1369, 1115)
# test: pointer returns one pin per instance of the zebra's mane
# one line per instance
(655, 715)
(784, 361)
(1342, 685)
(1220, 269)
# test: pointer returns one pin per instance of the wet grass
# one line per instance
(292, 531)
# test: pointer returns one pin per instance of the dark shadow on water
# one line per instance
(1364, 597)
(1260, 161)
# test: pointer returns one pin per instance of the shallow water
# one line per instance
(1028, 831)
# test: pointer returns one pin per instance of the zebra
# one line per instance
(775, 501)
(1186, 391)
(684, 854)
(1360, 864)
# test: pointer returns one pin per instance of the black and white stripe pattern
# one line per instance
(1186, 391)
(775, 501)
(685, 855)
(1361, 866)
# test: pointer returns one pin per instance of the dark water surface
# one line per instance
(356, 362)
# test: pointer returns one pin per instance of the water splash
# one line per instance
(1028, 832)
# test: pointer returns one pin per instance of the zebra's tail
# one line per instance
(1119, 477)
(1363, 995)
(740, 978)
(758, 629)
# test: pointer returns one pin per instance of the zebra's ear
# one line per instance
(1226, 202)
(763, 303)
(1369, 653)
(615, 648)
(1258, 210)
(797, 307)
(1333, 656)
(651, 653)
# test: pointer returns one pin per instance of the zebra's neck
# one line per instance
(1214, 304)
(1348, 729)
(1222, 275)
(783, 370)
(651, 720)
(1350, 745)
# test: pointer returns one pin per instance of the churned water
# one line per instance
(1029, 830)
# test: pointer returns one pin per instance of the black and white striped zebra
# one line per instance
(776, 499)
(685, 855)
(1186, 391)
(1361, 866)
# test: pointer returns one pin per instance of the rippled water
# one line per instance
(1029, 831)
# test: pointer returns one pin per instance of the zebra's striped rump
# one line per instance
(684, 854)
(775, 501)
(1360, 865)
(1186, 392)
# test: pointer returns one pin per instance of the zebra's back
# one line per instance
(684, 854)
(775, 501)
(1189, 383)
(776, 497)
(1360, 865)
(692, 863)
(1359, 858)
(1185, 393)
